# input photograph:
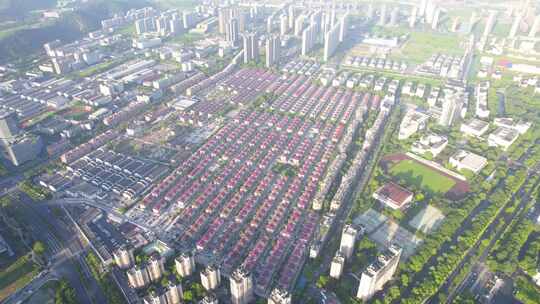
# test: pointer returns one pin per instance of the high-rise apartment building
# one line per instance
(231, 33)
(173, 293)
(211, 277)
(241, 286)
(331, 42)
(279, 296)
(138, 277)
(123, 256)
(251, 47)
(378, 273)
(273, 47)
(156, 267)
(336, 267)
(348, 240)
(185, 264)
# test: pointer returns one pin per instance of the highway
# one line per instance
(26, 292)
(64, 249)
(507, 218)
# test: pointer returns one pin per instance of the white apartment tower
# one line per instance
(412, 18)
(138, 277)
(269, 24)
(283, 25)
(343, 27)
(251, 47)
(515, 26)
(185, 264)
(273, 46)
(490, 23)
(291, 16)
(241, 286)
(378, 273)
(348, 239)
(336, 267)
(535, 27)
(436, 17)
(299, 25)
(331, 42)
(279, 296)
(154, 298)
(123, 257)
(370, 11)
(210, 277)
(209, 298)
(382, 17)
(422, 9)
(394, 15)
(156, 267)
(174, 293)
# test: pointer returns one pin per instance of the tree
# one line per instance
(38, 248)
(188, 295)
(322, 281)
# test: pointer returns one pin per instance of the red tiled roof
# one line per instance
(394, 192)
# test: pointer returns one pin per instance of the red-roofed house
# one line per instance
(393, 195)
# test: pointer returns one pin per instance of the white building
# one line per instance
(185, 264)
(507, 122)
(431, 143)
(336, 267)
(210, 277)
(138, 277)
(481, 94)
(241, 287)
(279, 296)
(156, 267)
(348, 239)
(467, 160)
(123, 257)
(412, 122)
(503, 138)
(474, 127)
(378, 273)
(173, 293)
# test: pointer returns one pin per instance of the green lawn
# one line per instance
(187, 38)
(422, 176)
(16, 276)
(423, 44)
(182, 4)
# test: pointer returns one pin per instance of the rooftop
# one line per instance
(394, 192)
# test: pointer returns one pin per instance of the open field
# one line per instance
(16, 276)
(421, 45)
(422, 176)
(429, 179)
(176, 3)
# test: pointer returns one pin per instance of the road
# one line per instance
(96, 204)
(64, 250)
(341, 216)
(26, 292)
(507, 218)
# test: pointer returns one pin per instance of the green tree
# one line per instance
(38, 248)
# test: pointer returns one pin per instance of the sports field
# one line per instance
(422, 176)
